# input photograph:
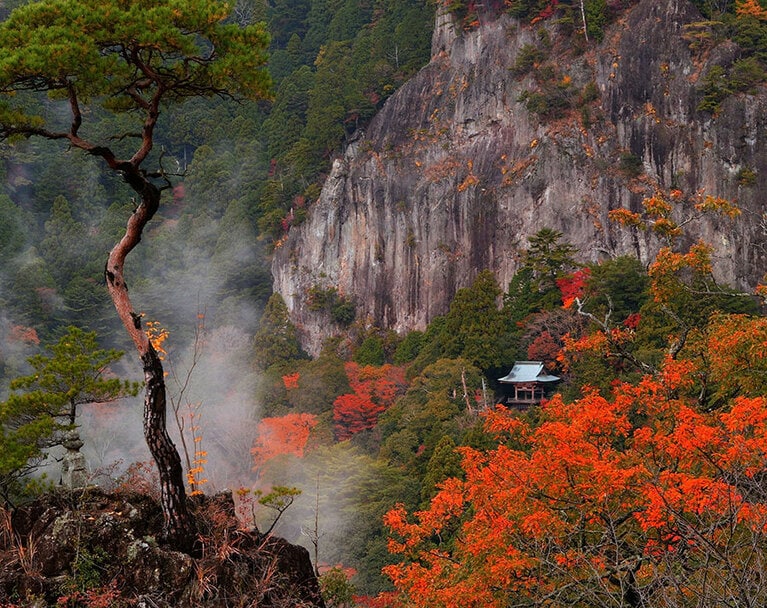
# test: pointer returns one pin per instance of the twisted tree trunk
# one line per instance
(178, 528)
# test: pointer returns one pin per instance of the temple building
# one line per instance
(526, 384)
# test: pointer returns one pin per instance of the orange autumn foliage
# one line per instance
(750, 8)
(665, 214)
(664, 271)
(281, 435)
(637, 496)
(21, 333)
(157, 335)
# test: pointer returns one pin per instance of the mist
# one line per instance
(201, 274)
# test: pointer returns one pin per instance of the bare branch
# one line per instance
(617, 347)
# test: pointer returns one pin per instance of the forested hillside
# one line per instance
(245, 169)
(393, 453)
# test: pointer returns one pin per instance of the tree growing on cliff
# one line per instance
(130, 58)
(72, 373)
(276, 341)
(75, 369)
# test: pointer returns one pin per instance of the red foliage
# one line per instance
(572, 286)
(140, 477)
(375, 389)
(101, 597)
(632, 321)
(179, 192)
(20, 333)
(282, 435)
(642, 478)
(547, 12)
(382, 600)
(353, 414)
(287, 221)
(544, 348)
(291, 380)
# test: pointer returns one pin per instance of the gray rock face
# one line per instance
(454, 173)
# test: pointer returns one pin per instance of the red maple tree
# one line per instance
(572, 286)
(291, 380)
(280, 435)
(375, 390)
(639, 499)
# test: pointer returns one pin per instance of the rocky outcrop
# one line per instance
(88, 547)
(455, 173)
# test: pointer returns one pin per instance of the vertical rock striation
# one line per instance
(455, 173)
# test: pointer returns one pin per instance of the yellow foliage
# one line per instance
(157, 335)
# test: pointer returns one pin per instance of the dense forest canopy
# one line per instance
(637, 484)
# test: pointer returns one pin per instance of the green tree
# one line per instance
(238, 263)
(474, 324)
(475, 329)
(349, 19)
(521, 300)
(336, 102)
(595, 12)
(33, 289)
(74, 372)
(25, 428)
(370, 352)
(337, 591)
(12, 233)
(77, 369)
(444, 463)
(317, 20)
(408, 348)
(287, 119)
(276, 341)
(286, 18)
(321, 381)
(86, 304)
(548, 258)
(129, 58)
(617, 287)
(413, 427)
(64, 245)
(431, 347)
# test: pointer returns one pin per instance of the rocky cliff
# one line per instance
(91, 548)
(455, 172)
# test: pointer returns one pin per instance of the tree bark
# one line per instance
(178, 526)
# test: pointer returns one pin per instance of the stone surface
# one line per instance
(454, 174)
(74, 468)
(102, 545)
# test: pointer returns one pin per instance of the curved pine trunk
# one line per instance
(178, 527)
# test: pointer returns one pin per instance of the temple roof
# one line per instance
(528, 371)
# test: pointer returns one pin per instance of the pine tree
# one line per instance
(277, 339)
(131, 58)
(72, 373)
